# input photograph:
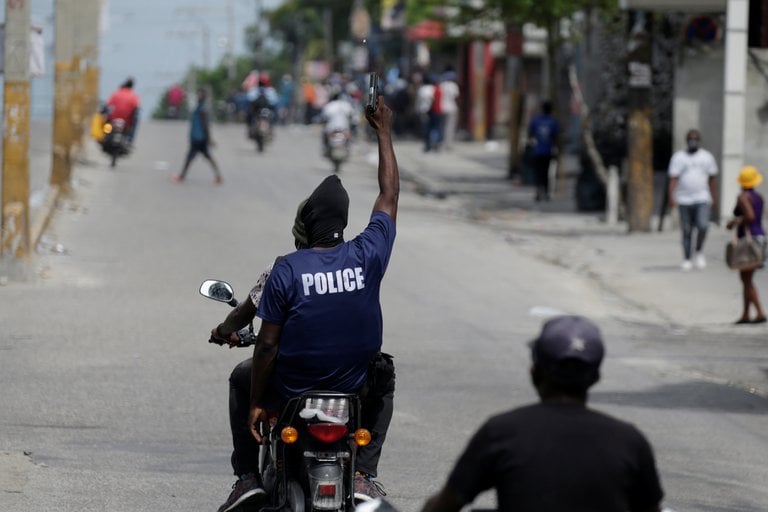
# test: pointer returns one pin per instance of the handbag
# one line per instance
(744, 253)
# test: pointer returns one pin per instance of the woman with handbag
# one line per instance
(748, 221)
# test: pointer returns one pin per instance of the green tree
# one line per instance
(310, 29)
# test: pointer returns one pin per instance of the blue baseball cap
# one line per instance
(568, 337)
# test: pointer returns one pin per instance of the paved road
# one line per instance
(112, 399)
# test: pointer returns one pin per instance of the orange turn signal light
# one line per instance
(289, 435)
(362, 437)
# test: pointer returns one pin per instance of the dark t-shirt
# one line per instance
(327, 302)
(555, 457)
(544, 130)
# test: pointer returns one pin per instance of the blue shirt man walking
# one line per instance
(543, 131)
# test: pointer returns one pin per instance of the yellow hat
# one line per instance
(750, 177)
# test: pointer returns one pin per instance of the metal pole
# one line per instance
(62, 97)
(206, 45)
(734, 103)
(231, 40)
(14, 218)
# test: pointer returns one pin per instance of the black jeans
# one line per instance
(541, 166)
(377, 408)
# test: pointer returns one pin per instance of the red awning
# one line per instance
(426, 29)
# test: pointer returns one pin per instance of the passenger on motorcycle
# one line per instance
(337, 115)
(321, 321)
(124, 104)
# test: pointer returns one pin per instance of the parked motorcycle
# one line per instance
(308, 459)
(261, 128)
(337, 150)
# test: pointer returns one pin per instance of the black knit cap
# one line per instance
(325, 213)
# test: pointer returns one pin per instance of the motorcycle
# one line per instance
(261, 128)
(115, 142)
(307, 462)
(337, 149)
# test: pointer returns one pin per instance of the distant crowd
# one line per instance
(425, 104)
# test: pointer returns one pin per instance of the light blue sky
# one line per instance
(155, 41)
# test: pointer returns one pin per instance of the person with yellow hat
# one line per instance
(748, 216)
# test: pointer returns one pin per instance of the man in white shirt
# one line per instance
(338, 115)
(450, 106)
(692, 174)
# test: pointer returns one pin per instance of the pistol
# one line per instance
(373, 92)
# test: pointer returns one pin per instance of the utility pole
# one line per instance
(640, 131)
(514, 72)
(734, 103)
(231, 71)
(87, 47)
(14, 219)
(64, 69)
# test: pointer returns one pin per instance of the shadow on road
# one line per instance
(695, 395)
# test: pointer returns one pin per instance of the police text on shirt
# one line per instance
(346, 280)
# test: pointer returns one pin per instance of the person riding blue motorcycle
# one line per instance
(321, 322)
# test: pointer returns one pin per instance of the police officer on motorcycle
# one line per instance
(321, 318)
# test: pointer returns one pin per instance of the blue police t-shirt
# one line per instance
(327, 302)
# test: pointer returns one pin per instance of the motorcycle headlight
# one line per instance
(107, 128)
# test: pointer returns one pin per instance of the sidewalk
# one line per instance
(643, 269)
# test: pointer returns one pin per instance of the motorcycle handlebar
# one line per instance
(246, 336)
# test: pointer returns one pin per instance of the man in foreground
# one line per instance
(557, 454)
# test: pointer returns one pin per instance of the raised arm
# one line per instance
(389, 176)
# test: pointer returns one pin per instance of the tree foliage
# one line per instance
(511, 12)
(300, 24)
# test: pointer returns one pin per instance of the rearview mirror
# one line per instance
(217, 290)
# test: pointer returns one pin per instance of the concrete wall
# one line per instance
(699, 80)
(756, 115)
(699, 98)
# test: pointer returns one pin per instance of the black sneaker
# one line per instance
(367, 489)
(247, 490)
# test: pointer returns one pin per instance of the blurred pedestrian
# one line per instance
(692, 174)
(428, 107)
(175, 99)
(287, 99)
(557, 454)
(449, 90)
(309, 97)
(199, 139)
(399, 101)
(749, 217)
(543, 132)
